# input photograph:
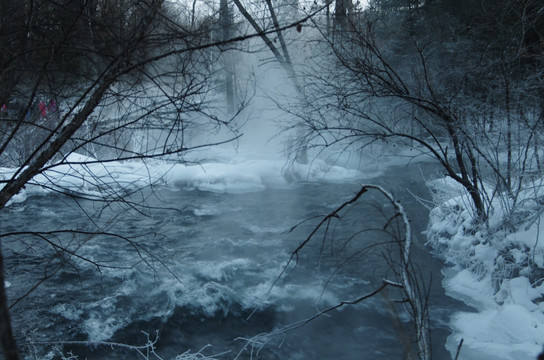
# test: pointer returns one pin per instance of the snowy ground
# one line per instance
(85, 175)
(499, 273)
(220, 170)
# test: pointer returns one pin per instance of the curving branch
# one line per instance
(403, 268)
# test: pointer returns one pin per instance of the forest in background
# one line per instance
(460, 81)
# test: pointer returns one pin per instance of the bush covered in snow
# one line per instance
(497, 267)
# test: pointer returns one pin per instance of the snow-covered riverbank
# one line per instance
(498, 271)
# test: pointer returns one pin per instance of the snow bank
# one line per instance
(85, 175)
(254, 175)
(497, 272)
(508, 332)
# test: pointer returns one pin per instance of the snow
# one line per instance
(86, 175)
(509, 332)
(466, 286)
(495, 271)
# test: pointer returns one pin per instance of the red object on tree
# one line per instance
(42, 109)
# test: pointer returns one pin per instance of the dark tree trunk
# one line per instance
(226, 25)
(340, 13)
(9, 345)
(45, 153)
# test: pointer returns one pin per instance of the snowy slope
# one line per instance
(497, 271)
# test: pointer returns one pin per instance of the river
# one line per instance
(198, 268)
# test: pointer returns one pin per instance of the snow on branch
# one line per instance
(413, 296)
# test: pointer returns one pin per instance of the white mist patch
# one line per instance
(222, 270)
(100, 328)
(255, 229)
(104, 319)
(312, 293)
(68, 311)
(206, 210)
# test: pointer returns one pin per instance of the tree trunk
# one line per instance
(45, 153)
(281, 58)
(508, 136)
(226, 25)
(341, 13)
(9, 345)
(280, 34)
(193, 14)
(471, 186)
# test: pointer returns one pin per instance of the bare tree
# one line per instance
(341, 10)
(226, 22)
(53, 144)
(118, 81)
(135, 70)
(391, 77)
(273, 27)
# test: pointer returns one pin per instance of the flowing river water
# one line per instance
(198, 268)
